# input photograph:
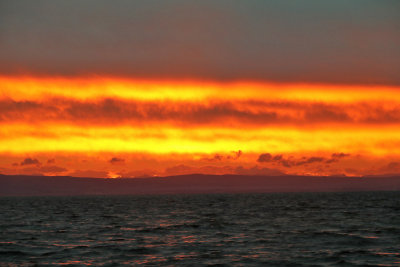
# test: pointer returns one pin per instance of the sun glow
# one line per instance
(85, 88)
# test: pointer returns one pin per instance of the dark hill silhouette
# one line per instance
(188, 184)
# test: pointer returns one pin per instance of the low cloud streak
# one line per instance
(115, 111)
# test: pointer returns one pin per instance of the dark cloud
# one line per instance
(114, 111)
(266, 157)
(335, 157)
(310, 160)
(119, 111)
(51, 161)
(236, 155)
(340, 155)
(30, 161)
(279, 159)
(318, 113)
(286, 163)
(313, 41)
(116, 160)
(315, 159)
(331, 160)
(218, 157)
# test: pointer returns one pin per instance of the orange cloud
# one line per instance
(190, 113)
(30, 161)
(115, 160)
(204, 125)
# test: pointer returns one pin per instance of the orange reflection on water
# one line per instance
(72, 262)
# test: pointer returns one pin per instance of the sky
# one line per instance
(153, 88)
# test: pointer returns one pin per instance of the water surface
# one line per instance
(293, 229)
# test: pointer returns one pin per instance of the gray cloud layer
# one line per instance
(317, 41)
(114, 111)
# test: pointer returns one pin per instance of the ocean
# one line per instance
(275, 229)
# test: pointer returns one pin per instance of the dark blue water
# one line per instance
(312, 229)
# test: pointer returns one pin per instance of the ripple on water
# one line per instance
(217, 230)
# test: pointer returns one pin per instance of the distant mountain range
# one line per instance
(189, 184)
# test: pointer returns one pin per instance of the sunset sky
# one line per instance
(96, 88)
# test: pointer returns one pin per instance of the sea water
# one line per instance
(291, 229)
